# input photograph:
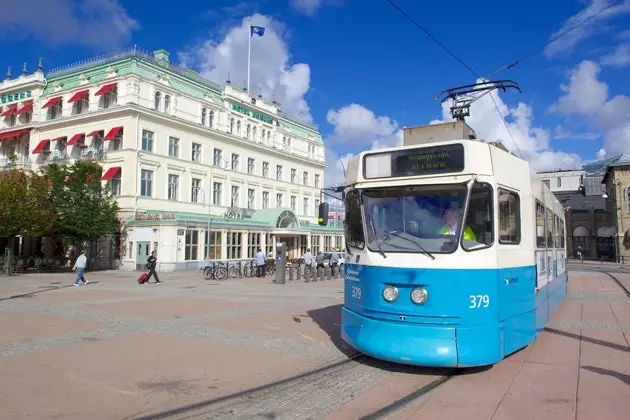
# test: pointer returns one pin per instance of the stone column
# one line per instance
(244, 243)
(223, 244)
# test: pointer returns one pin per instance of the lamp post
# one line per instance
(618, 215)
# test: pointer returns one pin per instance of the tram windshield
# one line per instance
(427, 219)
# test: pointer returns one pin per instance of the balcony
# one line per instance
(20, 162)
(77, 155)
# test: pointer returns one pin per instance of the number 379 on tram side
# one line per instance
(455, 254)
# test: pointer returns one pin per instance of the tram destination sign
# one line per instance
(413, 162)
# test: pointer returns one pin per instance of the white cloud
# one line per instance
(570, 40)
(619, 58)
(271, 68)
(587, 97)
(561, 132)
(103, 24)
(307, 7)
(358, 128)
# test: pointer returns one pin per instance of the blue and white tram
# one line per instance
(455, 254)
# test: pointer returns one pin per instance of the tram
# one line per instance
(455, 251)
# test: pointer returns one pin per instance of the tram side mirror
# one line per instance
(322, 218)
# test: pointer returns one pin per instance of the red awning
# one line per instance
(113, 133)
(106, 89)
(111, 172)
(58, 138)
(78, 96)
(25, 108)
(52, 102)
(14, 133)
(94, 133)
(75, 138)
(40, 146)
(8, 111)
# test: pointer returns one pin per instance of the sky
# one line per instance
(361, 71)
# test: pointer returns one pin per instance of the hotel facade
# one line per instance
(199, 170)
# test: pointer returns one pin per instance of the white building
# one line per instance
(181, 154)
(563, 181)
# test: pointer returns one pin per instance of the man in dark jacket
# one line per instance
(151, 264)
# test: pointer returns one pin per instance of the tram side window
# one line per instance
(540, 225)
(556, 231)
(509, 218)
(479, 219)
(354, 221)
(549, 228)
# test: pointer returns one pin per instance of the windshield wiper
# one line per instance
(378, 243)
(427, 253)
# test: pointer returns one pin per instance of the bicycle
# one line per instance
(215, 271)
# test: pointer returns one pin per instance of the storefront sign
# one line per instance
(238, 213)
(156, 216)
(253, 114)
(15, 96)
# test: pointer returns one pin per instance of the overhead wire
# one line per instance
(401, 11)
(554, 39)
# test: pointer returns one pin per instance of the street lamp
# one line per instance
(206, 201)
(618, 216)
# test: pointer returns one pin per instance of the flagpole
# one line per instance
(249, 55)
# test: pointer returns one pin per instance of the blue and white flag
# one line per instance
(258, 30)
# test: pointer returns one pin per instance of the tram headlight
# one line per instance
(419, 295)
(390, 294)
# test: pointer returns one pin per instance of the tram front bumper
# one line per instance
(411, 344)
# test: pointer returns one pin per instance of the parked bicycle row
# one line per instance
(223, 269)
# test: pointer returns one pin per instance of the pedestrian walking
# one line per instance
(308, 261)
(260, 263)
(151, 264)
(79, 267)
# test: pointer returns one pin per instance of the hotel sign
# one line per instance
(156, 216)
(252, 114)
(15, 96)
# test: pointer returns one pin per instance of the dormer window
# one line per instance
(157, 101)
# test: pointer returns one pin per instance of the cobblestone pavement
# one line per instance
(114, 349)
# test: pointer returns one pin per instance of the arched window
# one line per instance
(158, 99)
(167, 104)
(287, 220)
(249, 129)
(238, 128)
(628, 198)
(203, 116)
(211, 119)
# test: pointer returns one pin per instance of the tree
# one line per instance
(25, 205)
(86, 211)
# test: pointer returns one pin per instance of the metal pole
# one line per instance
(249, 54)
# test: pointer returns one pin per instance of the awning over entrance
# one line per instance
(14, 133)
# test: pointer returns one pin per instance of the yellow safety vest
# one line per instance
(469, 235)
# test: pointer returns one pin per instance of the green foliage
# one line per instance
(86, 211)
(25, 205)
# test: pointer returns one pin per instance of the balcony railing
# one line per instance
(85, 154)
(19, 163)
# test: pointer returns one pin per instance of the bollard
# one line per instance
(328, 273)
(290, 273)
(321, 272)
(313, 274)
(341, 271)
(335, 272)
(298, 273)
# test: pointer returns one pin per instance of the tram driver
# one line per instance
(451, 220)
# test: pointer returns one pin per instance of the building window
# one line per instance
(305, 178)
(316, 207)
(234, 200)
(167, 104)
(191, 245)
(213, 245)
(235, 161)
(540, 225)
(250, 166)
(157, 101)
(173, 186)
(173, 147)
(115, 184)
(265, 169)
(268, 137)
(315, 245)
(254, 133)
(109, 99)
(265, 200)
(231, 125)
(293, 202)
(253, 243)
(146, 183)
(82, 105)
(316, 180)
(147, 140)
(203, 116)
(27, 116)
(269, 239)
(196, 152)
(55, 111)
(195, 185)
(211, 119)
(249, 130)
(278, 201)
(547, 182)
(238, 128)
(559, 182)
(279, 172)
(305, 207)
(234, 240)
(509, 218)
(116, 143)
(293, 176)
(218, 158)
(250, 198)
(216, 193)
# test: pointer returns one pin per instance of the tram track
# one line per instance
(305, 395)
(619, 283)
